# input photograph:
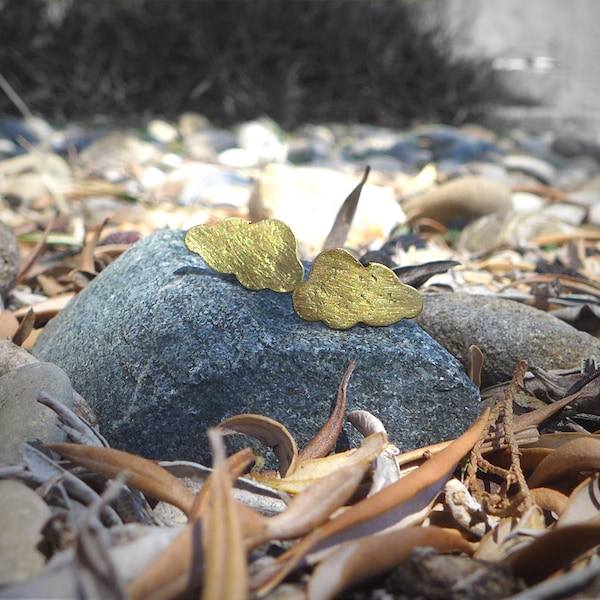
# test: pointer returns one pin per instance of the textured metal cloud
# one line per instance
(342, 292)
(261, 255)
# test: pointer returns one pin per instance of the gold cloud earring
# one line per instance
(262, 255)
(340, 291)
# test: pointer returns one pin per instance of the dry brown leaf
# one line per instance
(319, 500)
(535, 417)
(558, 439)
(309, 471)
(567, 461)
(583, 503)
(225, 570)
(364, 558)
(50, 286)
(511, 534)
(25, 328)
(270, 432)
(325, 439)
(141, 473)
(343, 220)
(549, 499)
(404, 502)
(530, 458)
(35, 253)
(554, 550)
(474, 364)
(172, 572)
(236, 464)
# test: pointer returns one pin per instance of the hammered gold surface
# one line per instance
(341, 292)
(261, 255)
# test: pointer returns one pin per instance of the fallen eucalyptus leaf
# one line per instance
(418, 275)
(583, 503)
(270, 432)
(24, 329)
(568, 460)
(325, 439)
(369, 556)
(549, 499)
(313, 506)
(343, 220)
(467, 512)
(554, 550)
(309, 471)
(225, 572)
(510, 535)
(141, 473)
(401, 504)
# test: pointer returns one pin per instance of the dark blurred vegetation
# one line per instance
(295, 61)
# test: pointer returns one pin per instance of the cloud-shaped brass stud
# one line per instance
(262, 255)
(342, 292)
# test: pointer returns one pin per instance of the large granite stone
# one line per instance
(163, 348)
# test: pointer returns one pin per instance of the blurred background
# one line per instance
(390, 63)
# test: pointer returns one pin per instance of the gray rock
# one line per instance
(163, 348)
(21, 520)
(9, 259)
(22, 417)
(506, 331)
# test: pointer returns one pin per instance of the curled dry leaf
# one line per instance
(511, 534)
(582, 504)
(403, 501)
(549, 499)
(467, 512)
(326, 437)
(554, 550)
(364, 558)
(319, 500)
(386, 469)
(310, 471)
(270, 432)
(571, 458)
(141, 473)
(365, 423)
(401, 504)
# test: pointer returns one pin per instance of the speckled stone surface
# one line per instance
(163, 348)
